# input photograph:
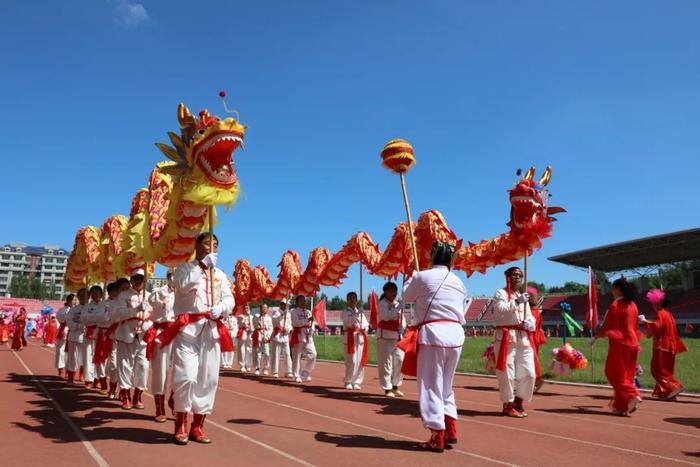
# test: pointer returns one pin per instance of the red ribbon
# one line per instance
(350, 340)
(505, 344)
(294, 340)
(181, 321)
(256, 338)
(61, 331)
(89, 331)
(149, 337)
(103, 346)
(392, 325)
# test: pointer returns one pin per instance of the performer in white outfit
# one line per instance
(103, 341)
(60, 360)
(515, 363)
(161, 300)
(199, 336)
(262, 332)
(244, 338)
(76, 336)
(389, 328)
(440, 300)
(134, 315)
(89, 318)
(356, 345)
(231, 323)
(282, 322)
(302, 340)
(114, 365)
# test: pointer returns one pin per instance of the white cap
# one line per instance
(284, 300)
(138, 272)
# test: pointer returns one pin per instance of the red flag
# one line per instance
(592, 314)
(373, 310)
(319, 313)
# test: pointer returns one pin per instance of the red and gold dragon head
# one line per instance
(203, 151)
(528, 202)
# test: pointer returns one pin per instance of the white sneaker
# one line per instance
(297, 379)
(266, 372)
(275, 375)
(675, 392)
(244, 369)
(397, 392)
(356, 387)
(257, 372)
(289, 375)
(348, 387)
(308, 378)
(633, 404)
(390, 394)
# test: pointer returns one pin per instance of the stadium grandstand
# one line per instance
(640, 259)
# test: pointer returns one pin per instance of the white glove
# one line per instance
(528, 325)
(642, 319)
(591, 341)
(210, 260)
(522, 299)
(216, 311)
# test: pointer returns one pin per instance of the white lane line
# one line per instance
(99, 460)
(358, 425)
(573, 417)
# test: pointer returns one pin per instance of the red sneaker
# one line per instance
(137, 402)
(125, 397)
(509, 410)
(450, 431)
(436, 443)
(197, 430)
(518, 404)
(181, 428)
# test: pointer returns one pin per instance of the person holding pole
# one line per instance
(103, 342)
(60, 360)
(161, 300)
(302, 340)
(356, 343)
(515, 358)
(76, 335)
(621, 328)
(262, 333)
(89, 317)
(244, 338)
(134, 315)
(282, 322)
(203, 299)
(389, 326)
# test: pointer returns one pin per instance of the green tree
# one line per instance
(23, 287)
(541, 288)
(569, 287)
(337, 303)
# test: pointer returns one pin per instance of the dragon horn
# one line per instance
(530, 173)
(546, 176)
(184, 116)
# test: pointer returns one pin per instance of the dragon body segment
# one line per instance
(167, 216)
(530, 223)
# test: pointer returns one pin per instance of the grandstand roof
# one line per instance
(648, 251)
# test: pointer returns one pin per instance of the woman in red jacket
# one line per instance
(621, 327)
(666, 345)
(18, 339)
(538, 337)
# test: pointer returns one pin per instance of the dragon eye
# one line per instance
(202, 131)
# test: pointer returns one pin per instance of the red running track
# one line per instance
(263, 421)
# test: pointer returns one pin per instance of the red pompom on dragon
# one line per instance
(166, 218)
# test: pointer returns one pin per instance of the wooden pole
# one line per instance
(525, 278)
(361, 296)
(410, 222)
(145, 281)
(211, 250)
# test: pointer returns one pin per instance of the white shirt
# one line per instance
(61, 314)
(90, 315)
(388, 311)
(446, 301)
(103, 316)
(283, 320)
(510, 313)
(162, 300)
(192, 295)
(245, 323)
(75, 327)
(354, 319)
(300, 319)
(125, 308)
(264, 323)
(232, 324)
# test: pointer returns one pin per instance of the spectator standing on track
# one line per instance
(440, 299)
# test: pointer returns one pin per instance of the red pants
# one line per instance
(538, 369)
(620, 367)
(662, 367)
(18, 340)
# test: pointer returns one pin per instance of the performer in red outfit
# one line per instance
(622, 330)
(538, 336)
(18, 339)
(667, 344)
(50, 331)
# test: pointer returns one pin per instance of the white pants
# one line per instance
(245, 353)
(88, 364)
(112, 368)
(354, 371)
(227, 359)
(132, 365)
(281, 349)
(60, 360)
(101, 370)
(389, 360)
(196, 371)
(436, 370)
(74, 356)
(519, 378)
(261, 356)
(160, 364)
(307, 350)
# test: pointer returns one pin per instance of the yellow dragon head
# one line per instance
(202, 154)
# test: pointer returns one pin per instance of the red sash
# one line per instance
(61, 331)
(89, 332)
(65, 346)
(239, 334)
(505, 344)
(296, 332)
(276, 331)
(256, 338)
(409, 345)
(350, 341)
(101, 344)
(392, 325)
(150, 336)
(181, 321)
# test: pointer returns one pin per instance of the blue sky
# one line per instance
(605, 92)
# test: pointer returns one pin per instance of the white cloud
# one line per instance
(130, 14)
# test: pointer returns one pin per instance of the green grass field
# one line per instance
(687, 364)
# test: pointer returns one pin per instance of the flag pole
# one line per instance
(410, 222)
(211, 250)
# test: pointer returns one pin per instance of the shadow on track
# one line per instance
(365, 441)
(83, 407)
(685, 421)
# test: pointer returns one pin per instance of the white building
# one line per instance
(47, 263)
